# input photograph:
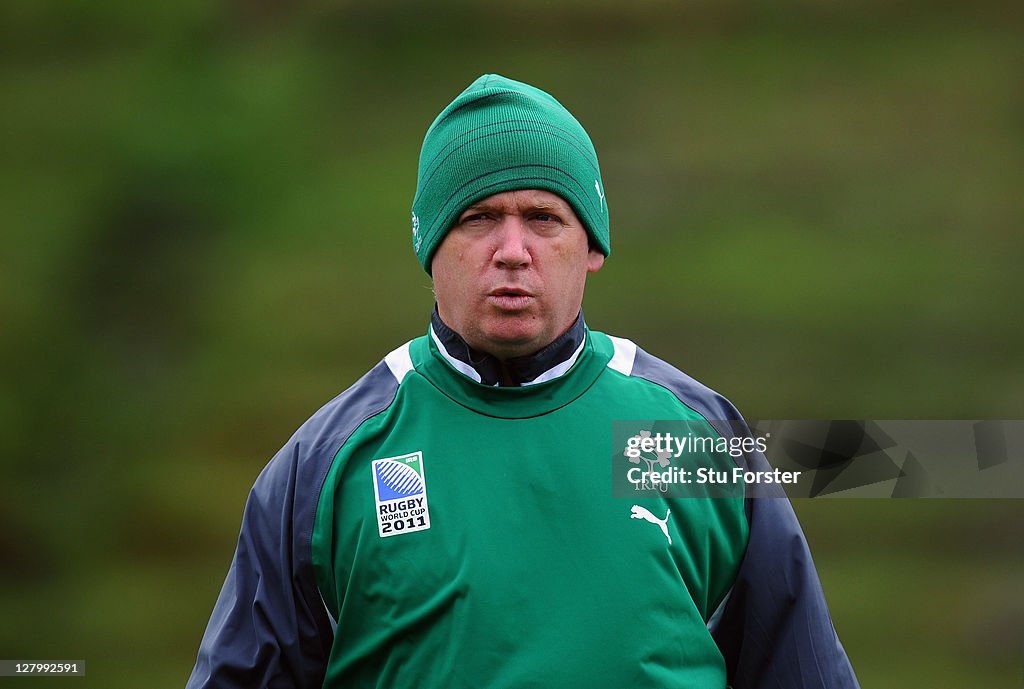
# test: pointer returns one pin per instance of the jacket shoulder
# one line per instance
(272, 569)
(631, 360)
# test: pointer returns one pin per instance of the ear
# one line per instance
(595, 259)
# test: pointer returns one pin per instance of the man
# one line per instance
(448, 520)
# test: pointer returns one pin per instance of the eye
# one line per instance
(545, 217)
(473, 217)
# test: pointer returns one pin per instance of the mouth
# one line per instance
(510, 298)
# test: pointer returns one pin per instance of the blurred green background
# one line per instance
(816, 209)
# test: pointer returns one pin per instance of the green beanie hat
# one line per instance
(501, 135)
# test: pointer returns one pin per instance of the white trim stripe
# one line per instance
(559, 369)
(625, 354)
(460, 366)
(330, 617)
(399, 361)
(716, 617)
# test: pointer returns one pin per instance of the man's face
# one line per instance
(509, 275)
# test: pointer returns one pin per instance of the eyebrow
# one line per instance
(502, 208)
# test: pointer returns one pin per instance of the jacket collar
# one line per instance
(548, 363)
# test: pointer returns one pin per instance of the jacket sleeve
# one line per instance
(774, 629)
(269, 627)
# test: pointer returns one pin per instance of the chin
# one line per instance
(512, 337)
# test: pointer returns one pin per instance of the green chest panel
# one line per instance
(489, 552)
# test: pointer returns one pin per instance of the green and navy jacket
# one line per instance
(430, 528)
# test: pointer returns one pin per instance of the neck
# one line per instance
(486, 368)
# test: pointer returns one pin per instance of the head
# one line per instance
(509, 216)
(509, 274)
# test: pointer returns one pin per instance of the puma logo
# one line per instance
(644, 513)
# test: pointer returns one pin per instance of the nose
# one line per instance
(512, 237)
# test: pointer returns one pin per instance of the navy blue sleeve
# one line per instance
(774, 628)
(270, 627)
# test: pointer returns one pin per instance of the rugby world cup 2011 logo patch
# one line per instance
(401, 495)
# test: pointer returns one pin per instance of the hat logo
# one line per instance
(600, 195)
(416, 238)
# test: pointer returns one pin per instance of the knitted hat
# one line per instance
(502, 135)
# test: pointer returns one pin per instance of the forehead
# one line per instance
(522, 199)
